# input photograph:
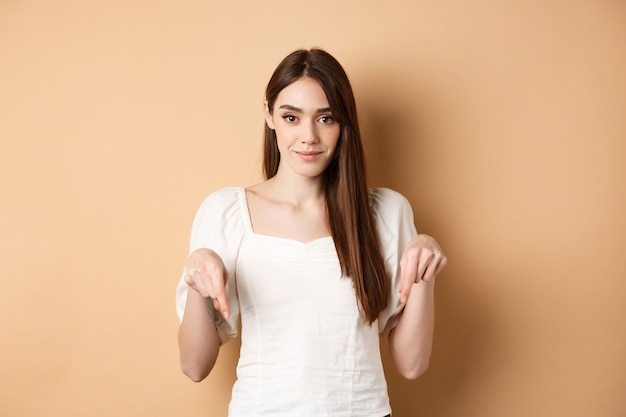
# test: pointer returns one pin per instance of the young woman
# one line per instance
(314, 265)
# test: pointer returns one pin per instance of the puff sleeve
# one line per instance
(394, 220)
(218, 226)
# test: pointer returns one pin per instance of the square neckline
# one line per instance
(243, 196)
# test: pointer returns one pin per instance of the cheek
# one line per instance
(334, 138)
(282, 139)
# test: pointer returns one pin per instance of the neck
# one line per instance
(297, 190)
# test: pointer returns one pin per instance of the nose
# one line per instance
(309, 133)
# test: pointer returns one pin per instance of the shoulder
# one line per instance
(225, 203)
(221, 214)
(386, 200)
(392, 212)
(223, 198)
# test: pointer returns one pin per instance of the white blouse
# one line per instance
(305, 350)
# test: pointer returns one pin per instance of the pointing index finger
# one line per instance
(220, 301)
(408, 274)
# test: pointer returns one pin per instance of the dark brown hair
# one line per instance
(350, 217)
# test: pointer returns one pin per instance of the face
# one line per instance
(306, 131)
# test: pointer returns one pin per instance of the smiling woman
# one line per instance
(304, 127)
(316, 265)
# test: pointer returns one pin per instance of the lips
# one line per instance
(309, 155)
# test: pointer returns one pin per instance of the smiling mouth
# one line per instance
(309, 156)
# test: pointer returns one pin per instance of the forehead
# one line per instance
(303, 93)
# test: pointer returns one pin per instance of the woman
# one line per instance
(314, 264)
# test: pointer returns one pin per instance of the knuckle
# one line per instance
(215, 268)
(188, 279)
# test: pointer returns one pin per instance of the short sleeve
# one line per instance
(218, 226)
(394, 221)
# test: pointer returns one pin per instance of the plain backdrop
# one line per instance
(502, 122)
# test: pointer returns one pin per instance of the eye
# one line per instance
(326, 120)
(290, 118)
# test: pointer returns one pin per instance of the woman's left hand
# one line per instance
(422, 260)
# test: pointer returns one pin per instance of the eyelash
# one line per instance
(291, 119)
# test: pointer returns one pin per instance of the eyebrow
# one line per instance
(299, 110)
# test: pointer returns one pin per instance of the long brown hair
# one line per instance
(351, 219)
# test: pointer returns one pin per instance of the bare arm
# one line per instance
(198, 340)
(410, 343)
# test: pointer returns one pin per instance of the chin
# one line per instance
(310, 171)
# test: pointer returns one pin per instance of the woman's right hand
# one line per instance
(207, 275)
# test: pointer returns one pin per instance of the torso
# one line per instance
(305, 349)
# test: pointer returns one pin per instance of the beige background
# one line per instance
(502, 122)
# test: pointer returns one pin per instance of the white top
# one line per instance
(305, 349)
